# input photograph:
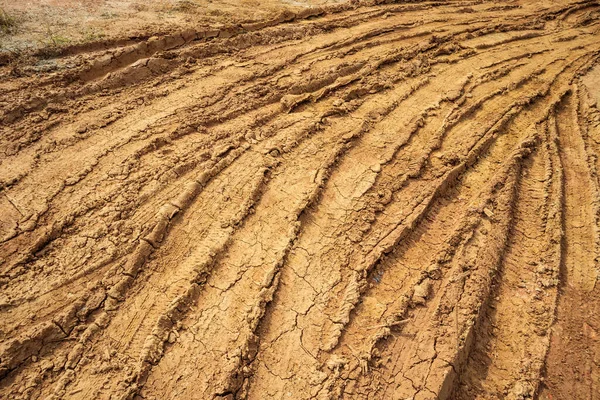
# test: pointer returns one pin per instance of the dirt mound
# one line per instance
(386, 201)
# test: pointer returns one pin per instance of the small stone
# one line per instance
(589, 332)
(336, 362)
(274, 152)
(522, 390)
(489, 213)
(434, 271)
(421, 292)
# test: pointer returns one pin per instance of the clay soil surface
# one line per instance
(300, 200)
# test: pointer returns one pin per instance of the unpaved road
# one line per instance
(394, 201)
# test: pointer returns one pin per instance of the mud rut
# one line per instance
(368, 201)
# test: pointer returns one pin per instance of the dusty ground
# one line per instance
(382, 201)
(48, 24)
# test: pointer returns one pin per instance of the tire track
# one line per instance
(576, 329)
(526, 290)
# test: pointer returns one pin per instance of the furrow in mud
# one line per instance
(363, 377)
(404, 280)
(524, 293)
(570, 370)
(242, 273)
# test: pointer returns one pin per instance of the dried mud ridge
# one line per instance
(386, 201)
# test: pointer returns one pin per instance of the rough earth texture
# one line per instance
(359, 201)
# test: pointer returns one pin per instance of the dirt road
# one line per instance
(392, 201)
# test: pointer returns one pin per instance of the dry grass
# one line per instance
(8, 23)
(185, 6)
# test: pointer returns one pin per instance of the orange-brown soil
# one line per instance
(358, 200)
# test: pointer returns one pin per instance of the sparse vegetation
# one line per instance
(139, 7)
(92, 35)
(185, 6)
(53, 41)
(8, 23)
(58, 40)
